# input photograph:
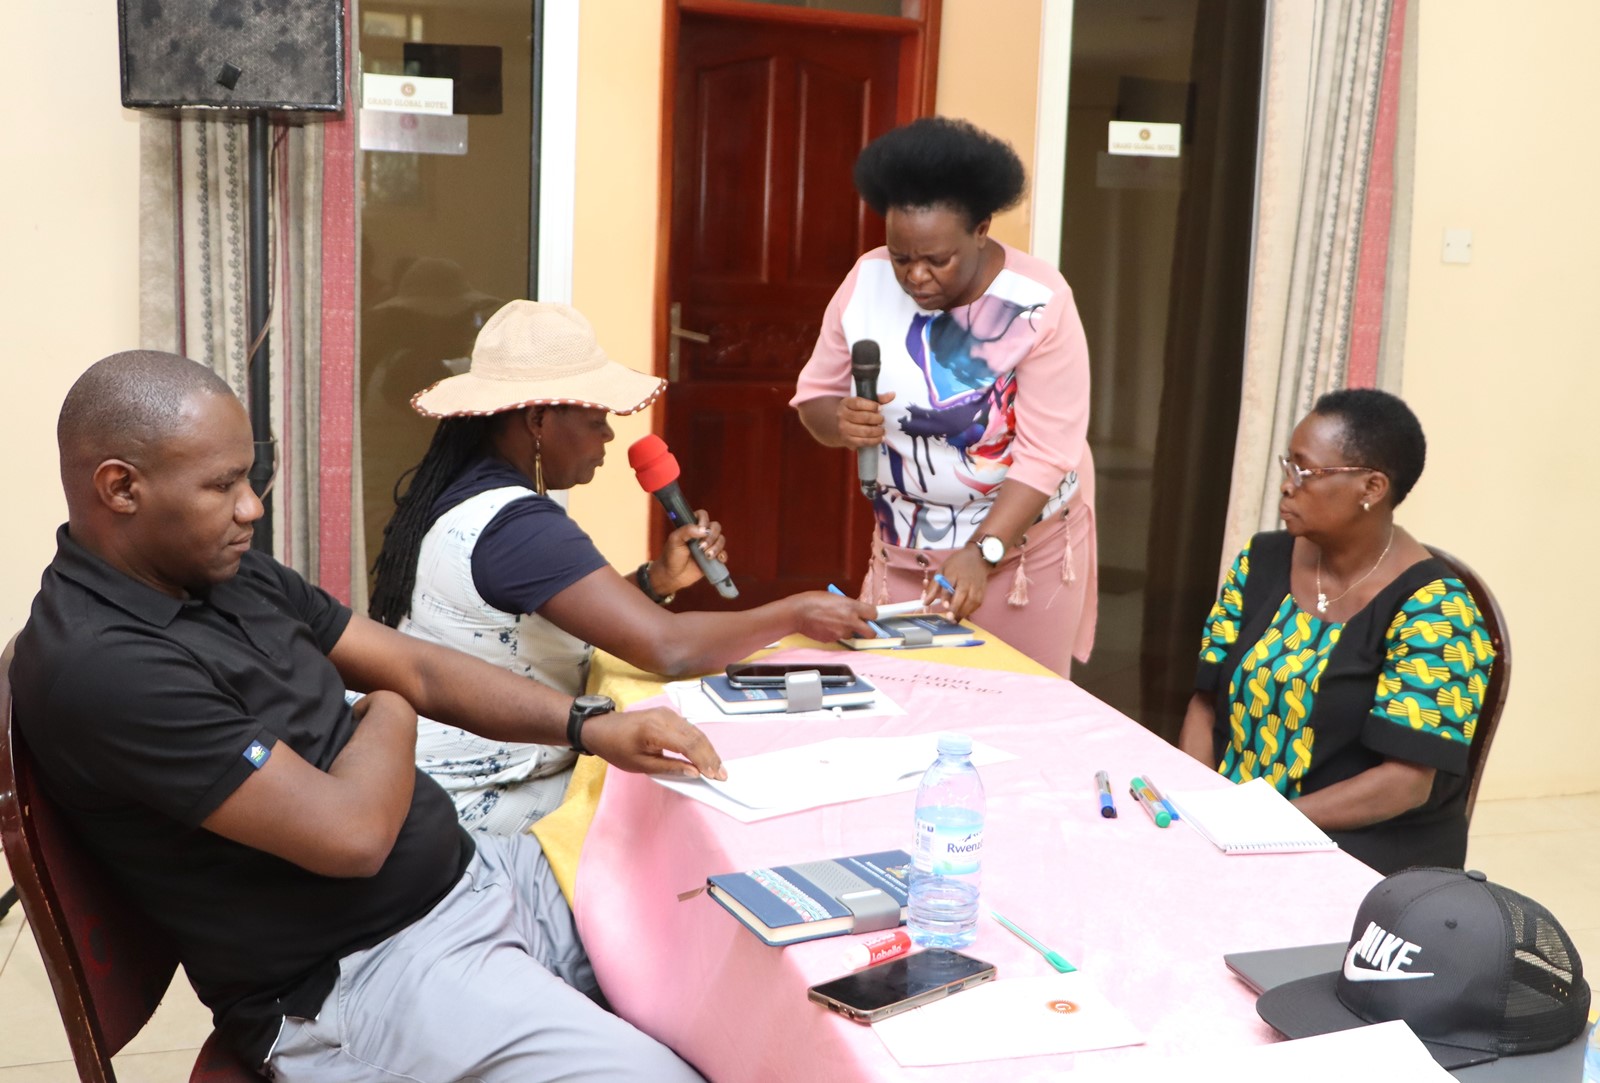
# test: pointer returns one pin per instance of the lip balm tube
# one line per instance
(876, 948)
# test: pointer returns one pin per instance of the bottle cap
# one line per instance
(955, 744)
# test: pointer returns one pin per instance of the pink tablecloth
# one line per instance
(1146, 912)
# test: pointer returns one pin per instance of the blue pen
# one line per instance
(944, 584)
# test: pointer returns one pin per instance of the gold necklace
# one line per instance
(1323, 601)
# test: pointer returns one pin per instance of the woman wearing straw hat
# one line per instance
(480, 557)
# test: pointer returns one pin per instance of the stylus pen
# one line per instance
(877, 629)
(1161, 797)
(1054, 958)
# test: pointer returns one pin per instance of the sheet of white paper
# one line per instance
(823, 773)
(691, 701)
(1381, 1053)
(1009, 1017)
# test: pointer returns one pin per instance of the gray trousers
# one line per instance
(490, 986)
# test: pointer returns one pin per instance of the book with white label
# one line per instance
(1250, 818)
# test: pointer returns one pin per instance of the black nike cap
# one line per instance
(1475, 969)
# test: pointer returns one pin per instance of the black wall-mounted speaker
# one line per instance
(232, 54)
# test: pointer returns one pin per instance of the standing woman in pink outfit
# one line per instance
(981, 421)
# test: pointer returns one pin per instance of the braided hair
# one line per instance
(456, 442)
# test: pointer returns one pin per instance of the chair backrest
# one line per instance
(108, 964)
(1494, 697)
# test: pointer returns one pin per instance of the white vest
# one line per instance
(446, 608)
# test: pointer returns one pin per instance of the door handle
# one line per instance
(676, 333)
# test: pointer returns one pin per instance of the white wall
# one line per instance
(69, 286)
(1501, 358)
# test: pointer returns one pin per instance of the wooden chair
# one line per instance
(1494, 697)
(108, 963)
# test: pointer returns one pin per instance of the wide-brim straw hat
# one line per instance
(536, 353)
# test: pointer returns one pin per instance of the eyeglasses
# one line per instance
(1297, 474)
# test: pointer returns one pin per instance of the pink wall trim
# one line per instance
(1377, 217)
(338, 345)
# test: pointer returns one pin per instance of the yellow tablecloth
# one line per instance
(562, 832)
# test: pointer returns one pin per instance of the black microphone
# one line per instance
(657, 471)
(864, 363)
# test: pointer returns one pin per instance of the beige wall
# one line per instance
(614, 238)
(1500, 360)
(69, 290)
(989, 74)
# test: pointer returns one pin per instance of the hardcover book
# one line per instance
(732, 700)
(790, 903)
(922, 630)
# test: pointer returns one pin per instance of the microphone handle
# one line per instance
(867, 457)
(678, 510)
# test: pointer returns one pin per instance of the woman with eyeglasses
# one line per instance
(984, 476)
(1342, 661)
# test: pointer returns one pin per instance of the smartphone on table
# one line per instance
(901, 984)
(771, 674)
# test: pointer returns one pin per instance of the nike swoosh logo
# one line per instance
(1358, 973)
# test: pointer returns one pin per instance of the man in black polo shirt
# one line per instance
(184, 698)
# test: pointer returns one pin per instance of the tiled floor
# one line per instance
(1546, 848)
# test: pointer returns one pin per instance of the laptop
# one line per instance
(1262, 970)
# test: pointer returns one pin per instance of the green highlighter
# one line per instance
(1054, 958)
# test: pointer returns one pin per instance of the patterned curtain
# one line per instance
(194, 299)
(1332, 201)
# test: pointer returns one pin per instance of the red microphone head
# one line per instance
(652, 463)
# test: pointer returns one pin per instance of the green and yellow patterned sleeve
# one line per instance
(1222, 623)
(1436, 669)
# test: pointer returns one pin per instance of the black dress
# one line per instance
(1308, 703)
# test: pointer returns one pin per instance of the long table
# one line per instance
(1146, 912)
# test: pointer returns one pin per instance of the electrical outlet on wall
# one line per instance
(1457, 246)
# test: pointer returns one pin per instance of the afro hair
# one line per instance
(941, 161)
(1381, 432)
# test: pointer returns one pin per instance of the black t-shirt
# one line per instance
(502, 570)
(145, 713)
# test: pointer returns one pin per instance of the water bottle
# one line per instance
(948, 852)
(1591, 1056)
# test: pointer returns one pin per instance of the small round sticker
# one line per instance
(1063, 1007)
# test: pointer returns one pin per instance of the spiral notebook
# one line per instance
(1250, 818)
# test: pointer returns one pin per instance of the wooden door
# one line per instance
(766, 123)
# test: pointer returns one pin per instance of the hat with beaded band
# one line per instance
(1475, 969)
(538, 353)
